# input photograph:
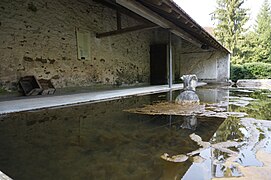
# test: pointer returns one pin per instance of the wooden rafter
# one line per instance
(119, 11)
(156, 18)
(161, 6)
(126, 30)
(113, 5)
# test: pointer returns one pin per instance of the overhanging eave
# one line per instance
(143, 11)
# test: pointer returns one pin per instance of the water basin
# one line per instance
(103, 141)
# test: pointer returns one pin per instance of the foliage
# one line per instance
(229, 19)
(259, 70)
(256, 70)
(245, 52)
(253, 51)
(259, 109)
(237, 72)
(263, 33)
(246, 47)
(255, 46)
(229, 130)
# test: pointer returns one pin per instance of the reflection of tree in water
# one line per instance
(261, 113)
(260, 108)
(221, 168)
(253, 134)
(236, 141)
(228, 130)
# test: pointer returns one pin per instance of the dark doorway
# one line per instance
(158, 64)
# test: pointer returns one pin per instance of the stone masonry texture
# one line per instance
(39, 38)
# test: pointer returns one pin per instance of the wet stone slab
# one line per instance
(171, 108)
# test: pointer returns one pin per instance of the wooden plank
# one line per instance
(126, 30)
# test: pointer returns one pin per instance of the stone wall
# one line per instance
(223, 67)
(209, 65)
(38, 38)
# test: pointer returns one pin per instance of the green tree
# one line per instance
(263, 34)
(256, 44)
(246, 49)
(229, 19)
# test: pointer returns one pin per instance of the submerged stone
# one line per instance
(177, 158)
(198, 159)
(187, 97)
(168, 108)
(199, 141)
(222, 146)
(254, 83)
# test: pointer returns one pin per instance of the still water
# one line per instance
(103, 141)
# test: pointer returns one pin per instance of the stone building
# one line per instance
(105, 42)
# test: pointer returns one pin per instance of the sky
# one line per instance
(200, 10)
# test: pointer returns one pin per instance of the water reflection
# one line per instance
(96, 141)
(190, 122)
(100, 141)
(255, 134)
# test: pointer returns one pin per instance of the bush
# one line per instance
(259, 70)
(239, 72)
(255, 70)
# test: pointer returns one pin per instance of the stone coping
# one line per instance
(40, 102)
(254, 83)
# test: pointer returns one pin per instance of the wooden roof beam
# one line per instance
(126, 30)
(155, 18)
(113, 5)
(161, 6)
(157, 2)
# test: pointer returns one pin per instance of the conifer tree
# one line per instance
(263, 34)
(229, 19)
